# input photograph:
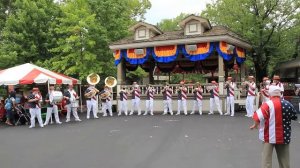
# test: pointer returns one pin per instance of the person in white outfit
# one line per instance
(149, 102)
(276, 81)
(105, 96)
(198, 91)
(123, 101)
(251, 86)
(214, 100)
(264, 91)
(91, 102)
(71, 96)
(35, 99)
(51, 106)
(135, 95)
(229, 86)
(167, 99)
(297, 93)
(182, 97)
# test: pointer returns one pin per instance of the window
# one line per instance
(142, 33)
(193, 28)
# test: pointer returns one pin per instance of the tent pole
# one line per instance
(80, 98)
(48, 85)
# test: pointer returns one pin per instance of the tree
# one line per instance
(27, 35)
(269, 25)
(171, 24)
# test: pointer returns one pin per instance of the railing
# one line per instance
(239, 92)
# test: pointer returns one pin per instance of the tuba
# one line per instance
(92, 79)
(109, 82)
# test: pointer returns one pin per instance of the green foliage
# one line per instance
(269, 25)
(136, 75)
(189, 78)
(171, 24)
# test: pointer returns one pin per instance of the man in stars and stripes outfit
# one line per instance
(135, 95)
(182, 97)
(149, 102)
(214, 98)
(167, 96)
(250, 96)
(123, 101)
(230, 96)
(274, 121)
(198, 91)
(265, 90)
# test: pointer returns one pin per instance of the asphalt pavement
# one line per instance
(193, 141)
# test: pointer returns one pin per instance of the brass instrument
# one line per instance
(110, 82)
(92, 79)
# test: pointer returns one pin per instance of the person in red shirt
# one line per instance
(274, 121)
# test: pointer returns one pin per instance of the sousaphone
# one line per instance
(92, 79)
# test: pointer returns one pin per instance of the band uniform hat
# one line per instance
(229, 78)
(213, 82)
(35, 89)
(276, 77)
(250, 77)
(265, 78)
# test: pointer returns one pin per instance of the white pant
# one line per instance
(149, 106)
(214, 102)
(230, 105)
(107, 106)
(250, 105)
(123, 107)
(35, 113)
(197, 103)
(183, 103)
(168, 106)
(91, 105)
(51, 110)
(74, 110)
(135, 105)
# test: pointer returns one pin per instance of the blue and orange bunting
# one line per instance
(118, 57)
(136, 59)
(201, 53)
(240, 55)
(165, 54)
(221, 48)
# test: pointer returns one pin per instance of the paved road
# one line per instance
(139, 142)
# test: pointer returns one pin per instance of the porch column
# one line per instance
(121, 75)
(243, 72)
(221, 73)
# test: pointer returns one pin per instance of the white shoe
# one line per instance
(77, 119)
(164, 113)
(192, 113)
(185, 114)
(151, 114)
(126, 114)
(130, 113)
(210, 113)
(246, 115)
(59, 122)
(67, 120)
(96, 117)
(42, 126)
(45, 124)
(177, 113)
(31, 126)
(200, 113)
(221, 113)
(87, 117)
(145, 114)
(232, 115)
(119, 114)
(139, 114)
(226, 114)
(104, 115)
(111, 115)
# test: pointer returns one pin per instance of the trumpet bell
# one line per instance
(110, 81)
(93, 79)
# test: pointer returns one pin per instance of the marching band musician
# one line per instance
(106, 101)
(198, 91)
(35, 99)
(123, 101)
(70, 95)
(214, 98)
(91, 102)
(135, 92)
(167, 96)
(51, 106)
(276, 81)
(265, 89)
(182, 96)
(229, 86)
(250, 96)
(149, 102)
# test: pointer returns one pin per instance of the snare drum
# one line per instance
(57, 96)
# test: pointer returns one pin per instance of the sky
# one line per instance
(168, 9)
